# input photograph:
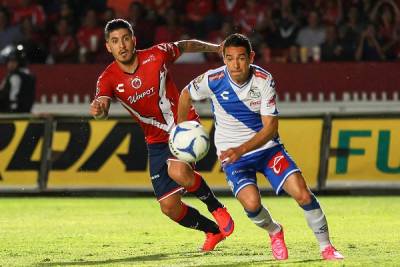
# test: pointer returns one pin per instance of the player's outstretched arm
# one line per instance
(192, 46)
(99, 108)
(184, 105)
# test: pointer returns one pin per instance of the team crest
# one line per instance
(136, 83)
(254, 92)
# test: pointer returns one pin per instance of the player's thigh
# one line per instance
(162, 183)
(296, 186)
(181, 172)
(239, 175)
(277, 166)
(249, 197)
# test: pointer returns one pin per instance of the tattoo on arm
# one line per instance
(196, 46)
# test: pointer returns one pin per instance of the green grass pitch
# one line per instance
(133, 232)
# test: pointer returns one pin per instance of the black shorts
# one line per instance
(163, 185)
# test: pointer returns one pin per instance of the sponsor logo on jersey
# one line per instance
(136, 82)
(260, 74)
(120, 88)
(216, 76)
(136, 97)
(255, 103)
(149, 59)
(271, 101)
(199, 78)
(155, 177)
(238, 171)
(278, 163)
(224, 95)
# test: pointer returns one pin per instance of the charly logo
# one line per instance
(276, 166)
(136, 83)
(278, 163)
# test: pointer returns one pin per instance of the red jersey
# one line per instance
(149, 94)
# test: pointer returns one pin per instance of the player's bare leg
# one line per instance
(296, 186)
(192, 181)
(250, 199)
(175, 209)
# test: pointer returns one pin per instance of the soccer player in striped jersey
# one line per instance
(140, 81)
(247, 141)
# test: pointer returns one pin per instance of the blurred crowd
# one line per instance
(61, 31)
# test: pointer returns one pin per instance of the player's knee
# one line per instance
(304, 198)
(252, 203)
(170, 209)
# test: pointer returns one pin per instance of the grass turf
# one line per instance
(132, 231)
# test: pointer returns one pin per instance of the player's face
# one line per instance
(238, 63)
(121, 44)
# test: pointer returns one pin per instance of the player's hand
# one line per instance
(97, 109)
(231, 155)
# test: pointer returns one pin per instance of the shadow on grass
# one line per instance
(270, 262)
(172, 256)
(153, 257)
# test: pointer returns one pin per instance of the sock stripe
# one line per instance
(197, 182)
(252, 214)
(183, 213)
(313, 205)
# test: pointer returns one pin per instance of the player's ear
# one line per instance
(252, 55)
(134, 40)
(108, 47)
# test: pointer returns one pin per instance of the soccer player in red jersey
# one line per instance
(140, 81)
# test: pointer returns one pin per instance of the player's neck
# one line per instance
(129, 67)
(241, 81)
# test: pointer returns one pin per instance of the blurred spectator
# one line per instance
(350, 32)
(63, 46)
(387, 16)
(369, 48)
(90, 38)
(161, 7)
(8, 34)
(310, 37)
(332, 12)
(170, 32)
(218, 36)
(108, 15)
(31, 10)
(229, 8)
(200, 17)
(33, 43)
(120, 7)
(143, 26)
(250, 16)
(17, 90)
(331, 49)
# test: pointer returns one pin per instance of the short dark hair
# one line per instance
(116, 24)
(238, 40)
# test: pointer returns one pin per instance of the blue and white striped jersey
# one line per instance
(237, 108)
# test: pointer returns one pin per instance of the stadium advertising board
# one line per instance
(20, 153)
(112, 154)
(364, 150)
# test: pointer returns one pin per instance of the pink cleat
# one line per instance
(279, 249)
(224, 221)
(211, 241)
(330, 253)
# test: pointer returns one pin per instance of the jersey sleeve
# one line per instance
(103, 87)
(170, 52)
(268, 99)
(198, 88)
